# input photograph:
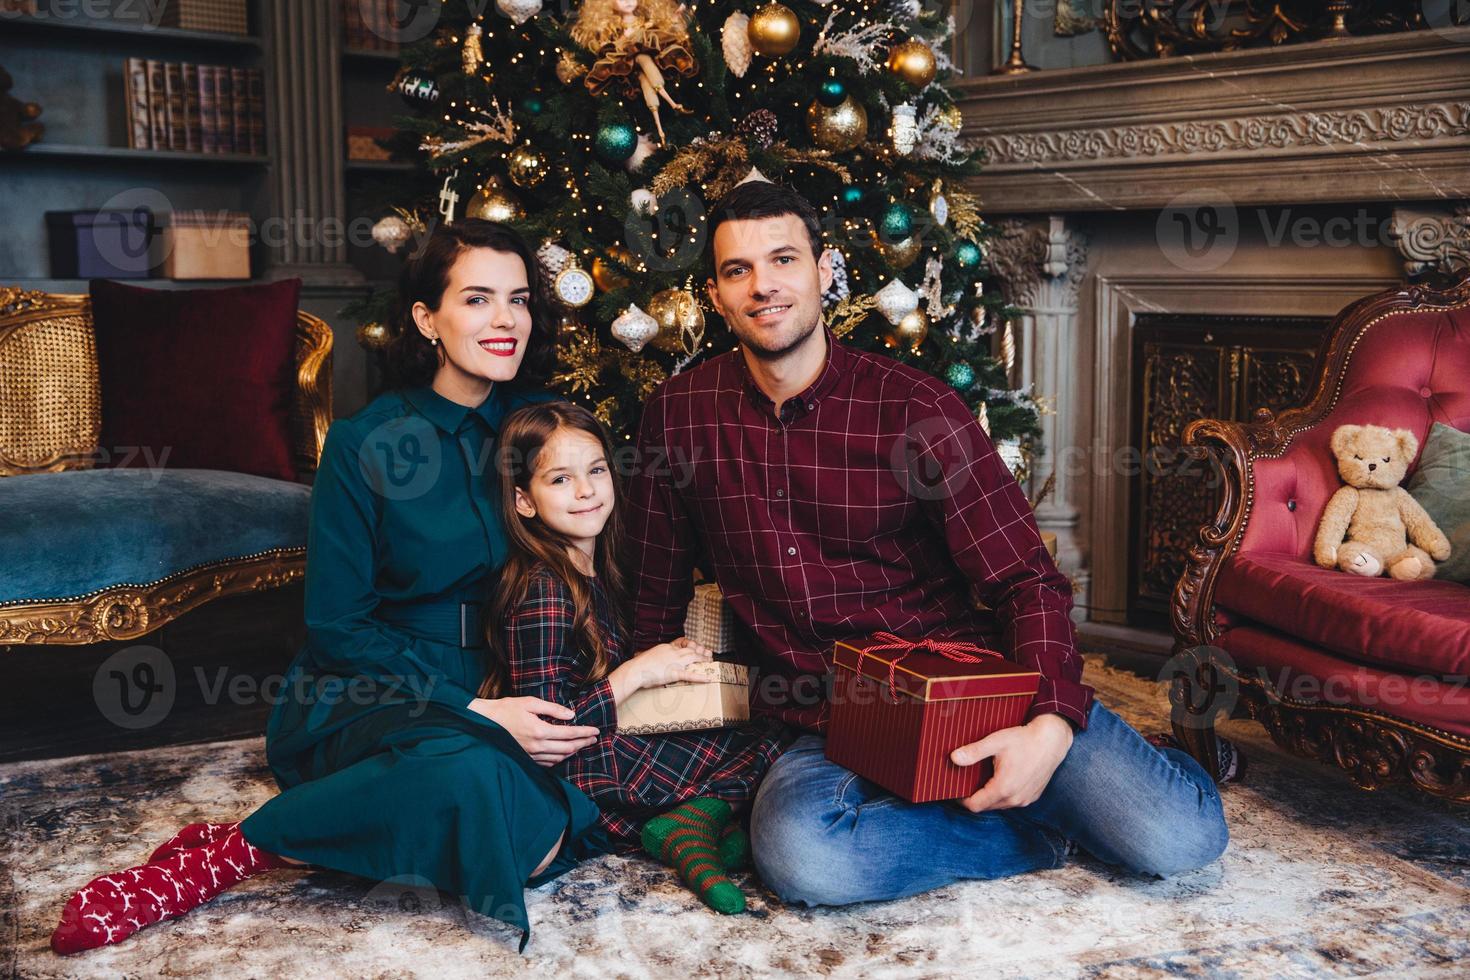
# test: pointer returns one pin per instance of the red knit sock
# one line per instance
(193, 835)
(113, 907)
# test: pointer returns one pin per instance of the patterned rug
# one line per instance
(1320, 880)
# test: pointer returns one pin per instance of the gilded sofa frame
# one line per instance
(1375, 748)
(130, 610)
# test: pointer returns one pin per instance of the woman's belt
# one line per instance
(455, 623)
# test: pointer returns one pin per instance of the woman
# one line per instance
(389, 765)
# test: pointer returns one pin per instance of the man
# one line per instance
(840, 493)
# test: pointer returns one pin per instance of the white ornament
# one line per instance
(735, 42)
(905, 129)
(553, 258)
(939, 204)
(839, 290)
(519, 11)
(896, 301)
(754, 175)
(392, 233)
(641, 152)
(448, 198)
(634, 328)
(643, 201)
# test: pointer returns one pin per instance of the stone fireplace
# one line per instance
(1278, 183)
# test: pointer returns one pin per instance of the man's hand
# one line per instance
(1025, 758)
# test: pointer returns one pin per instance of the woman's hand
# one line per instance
(525, 719)
(667, 663)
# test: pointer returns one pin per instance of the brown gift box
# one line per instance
(899, 709)
(206, 245)
(721, 702)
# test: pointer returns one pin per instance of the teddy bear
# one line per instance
(1385, 528)
(18, 126)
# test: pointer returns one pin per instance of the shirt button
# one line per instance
(791, 551)
(810, 406)
(780, 493)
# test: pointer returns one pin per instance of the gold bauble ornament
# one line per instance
(527, 165)
(493, 203)
(912, 61)
(680, 321)
(839, 128)
(900, 254)
(606, 275)
(910, 331)
(569, 69)
(374, 336)
(773, 30)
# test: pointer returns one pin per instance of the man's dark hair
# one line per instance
(763, 199)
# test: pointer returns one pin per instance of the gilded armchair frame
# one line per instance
(128, 610)
(1373, 747)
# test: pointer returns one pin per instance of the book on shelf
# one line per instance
(173, 106)
(363, 145)
(135, 74)
(18, 7)
(157, 106)
(192, 108)
(240, 117)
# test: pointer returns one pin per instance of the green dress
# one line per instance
(384, 770)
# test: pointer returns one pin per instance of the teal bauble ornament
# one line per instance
(852, 196)
(966, 254)
(534, 105)
(615, 142)
(960, 376)
(832, 93)
(896, 223)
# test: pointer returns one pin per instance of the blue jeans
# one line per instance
(824, 836)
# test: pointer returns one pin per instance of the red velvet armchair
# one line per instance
(1372, 675)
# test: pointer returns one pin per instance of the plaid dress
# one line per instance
(630, 777)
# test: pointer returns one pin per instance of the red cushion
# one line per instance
(1308, 673)
(1403, 625)
(205, 375)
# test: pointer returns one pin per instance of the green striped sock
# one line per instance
(687, 840)
(734, 847)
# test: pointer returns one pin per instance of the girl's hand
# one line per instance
(524, 718)
(669, 663)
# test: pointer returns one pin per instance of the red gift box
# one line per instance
(900, 707)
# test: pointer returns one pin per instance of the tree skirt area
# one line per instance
(1320, 879)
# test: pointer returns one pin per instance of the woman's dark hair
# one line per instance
(412, 360)
(523, 435)
(763, 199)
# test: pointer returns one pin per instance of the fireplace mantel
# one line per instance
(1383, 118)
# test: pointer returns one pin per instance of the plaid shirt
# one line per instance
(871, 501)
(630, 777)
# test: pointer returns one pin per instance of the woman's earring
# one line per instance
(433, 341)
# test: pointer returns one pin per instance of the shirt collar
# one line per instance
(839, 357)
(448, 415)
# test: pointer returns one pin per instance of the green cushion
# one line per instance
(64, 535)
(1442, 487)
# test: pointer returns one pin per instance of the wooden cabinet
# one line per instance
(1189, 367)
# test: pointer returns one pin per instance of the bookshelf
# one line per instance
(71, 60)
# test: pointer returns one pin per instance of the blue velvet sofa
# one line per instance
(93, 553)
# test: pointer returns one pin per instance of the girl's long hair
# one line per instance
(524, 434)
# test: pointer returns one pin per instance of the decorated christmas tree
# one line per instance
(606, 131)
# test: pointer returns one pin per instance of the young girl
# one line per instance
(556, 631)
